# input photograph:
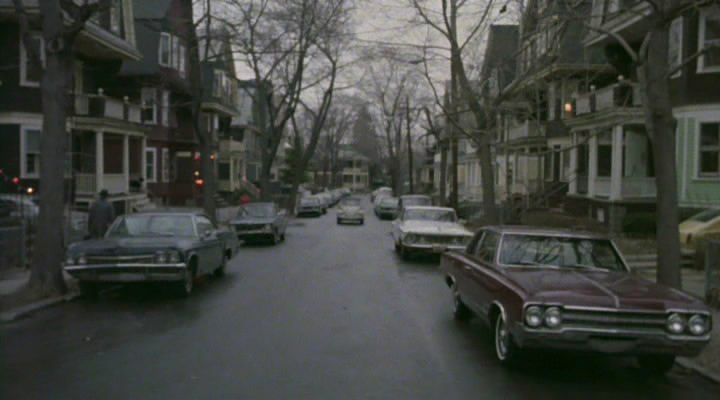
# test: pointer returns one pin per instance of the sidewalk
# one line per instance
(15, 305)
(693, 282)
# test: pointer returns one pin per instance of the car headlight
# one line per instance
(69, 260)
(268, 227)
(698, 325)
(533, 316)
(81, 260)
(173, 256)
(410, 238)
(161, 257)
(553, 317)
(675, 324)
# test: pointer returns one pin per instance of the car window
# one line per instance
(706, 215)
(485, 250)
(474, 243)
(204, 224)
(152, 225)
(559, 252)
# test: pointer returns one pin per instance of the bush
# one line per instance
(639, 224)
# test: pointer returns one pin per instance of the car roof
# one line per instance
(544, 231)
(410, 196)
(170, 210)
(429, 208)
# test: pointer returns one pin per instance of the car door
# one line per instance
(211, 245)
(482, 276)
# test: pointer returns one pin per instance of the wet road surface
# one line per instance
(332, 313)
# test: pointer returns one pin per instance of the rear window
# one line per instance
(706, 215)
(416, 201)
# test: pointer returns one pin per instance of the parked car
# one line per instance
(260, 221)
(387, 208)
(20, 206)
(414, 200)
(557, 289)
(159, 246)
(699, 225)
(381, 190)
(428, 230)
(324, 201)
(350, 210)
(310, 206)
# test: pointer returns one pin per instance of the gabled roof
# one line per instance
(151, 9)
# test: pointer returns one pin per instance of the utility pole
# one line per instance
(409, 144)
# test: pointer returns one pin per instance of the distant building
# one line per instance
(354, 171)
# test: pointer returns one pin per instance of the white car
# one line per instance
(350, 210)
(428, 230)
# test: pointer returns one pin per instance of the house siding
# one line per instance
(14, 97)
(693, 191)
(10, 149)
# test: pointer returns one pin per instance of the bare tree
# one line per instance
(340, 119)
(61, 22)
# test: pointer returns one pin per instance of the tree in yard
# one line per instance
(650, 63)
(335, 133)
(366, 140)
(60, 21)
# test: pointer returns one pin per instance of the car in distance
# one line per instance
(310, 206)
(428, 230)
(160, 246)
(387, 208)
(414, 200)
(700, 225)
(260, 221)
(384, 190)
(350, 210)
(556, 289)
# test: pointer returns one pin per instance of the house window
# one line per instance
(165, 107)
(165, 165)
(164, 56)
(218, 83)
(710, 150)
(150, 164)
(31, 152)
(710, 36)
(30, 72)
(175, 51)
(181, 60)
(675, 50)
(149, 105)
(115, 17)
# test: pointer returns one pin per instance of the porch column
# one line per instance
(573, 177)
(143, 162)
(617, 162)
(126, 164)
(99, 160)
(592, 163)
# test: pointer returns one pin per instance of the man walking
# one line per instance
(101, 215)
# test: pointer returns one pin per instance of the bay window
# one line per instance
(164, 56)
(709, 39)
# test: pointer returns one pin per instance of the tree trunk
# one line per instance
(409, 146)
(46, 276)
(443, 175)
(655, 88)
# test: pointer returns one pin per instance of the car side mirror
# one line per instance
(462, 221)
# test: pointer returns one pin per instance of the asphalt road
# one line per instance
(332, 313)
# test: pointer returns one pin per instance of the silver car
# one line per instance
(350, 210)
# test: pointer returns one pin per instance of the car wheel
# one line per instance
(362, 221)
(397, 247)
(506, 351)
(404, 252)
(185, 287)
(275, 238)
(338, 221)
(282, 236)
(220, 271)
(657, 365)
(89, 289)
(461, 312)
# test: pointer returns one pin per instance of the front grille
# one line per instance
(249, 227)
(139, 259)
(614, 320)
(441, 239)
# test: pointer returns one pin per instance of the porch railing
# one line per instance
(523, 130)
(643, 186)
(101, 106)
(619, 95)
(86, 183)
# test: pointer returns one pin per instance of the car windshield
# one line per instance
(707, 215)
(309, 201)
(429, 215)
(390, 201)
(416, 201)
(152, 225)
(260, 210)
(351, 203)
(559, 252)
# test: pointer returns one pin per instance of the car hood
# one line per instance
(690, 226)
(134, 245)
(350, 209)
(598, 289)
(252, 221)
(437, 228)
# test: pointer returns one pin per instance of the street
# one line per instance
(331, 313)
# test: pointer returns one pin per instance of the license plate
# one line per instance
(438, 249)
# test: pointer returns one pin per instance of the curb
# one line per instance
(697, 368)
(23, 311)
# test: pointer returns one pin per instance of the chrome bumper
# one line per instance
(434, 248)
(610, 341)
(123, 272)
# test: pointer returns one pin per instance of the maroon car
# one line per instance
(556, 289)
